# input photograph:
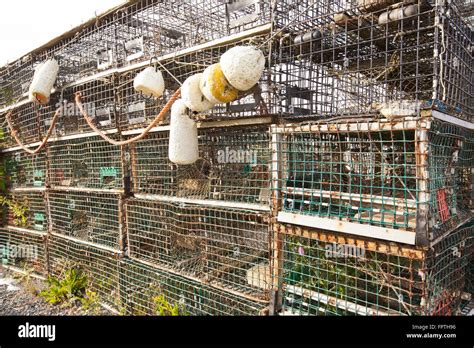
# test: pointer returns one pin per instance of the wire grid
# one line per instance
(27, 210)
(135, 109)
(323, 278)
(466, 174)
(135, 32)
(448, 271)
(90, 217)
(450, 156)
(234, 165)
(98, 99)
(23, 250)
(85, 162)
(149, 28)
(90, 50)
(141, 284)
(100, 266)
(30, 121)
(15, 80)
(24, 170)
(327, 276)
(338, 276)
(5, 137)
(335, 59)
(138, 111)
(457, 74)
(221, 246)
(349, 173)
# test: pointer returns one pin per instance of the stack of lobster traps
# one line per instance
(340, 184)
(373, 164)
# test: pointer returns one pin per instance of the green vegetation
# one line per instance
(19, 211)
(164, 308)
(70, 289)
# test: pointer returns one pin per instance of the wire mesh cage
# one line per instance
(146, 290)
(149, 28)
(234, 165)
(137, 110)
(85, 162)
(222, 246)
(98, 101)
(26, 210)
(385, 174)
(23, 250)
(15, 80)
(24, 170)
(89, 217)
(30, 121)
(371, 57)
(100, 266)
(325, 274)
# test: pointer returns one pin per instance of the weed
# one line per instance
(72, 287)
(165, 308)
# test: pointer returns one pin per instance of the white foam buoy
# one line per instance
(150, 82)
(243, 66)
(183, 143)
(192, 95)
(215, 87)
(398, 14)
(398, 109)
(43, 81)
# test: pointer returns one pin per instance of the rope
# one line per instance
(157, 119)
(14, 133)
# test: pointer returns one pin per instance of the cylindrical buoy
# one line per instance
(215, 87)
(183, 143)
(43, 81)
(307, 37)
(150, 82)
(374, 5)
(243, 66)
(398, 14)
(192, 95)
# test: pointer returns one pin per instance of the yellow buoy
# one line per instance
(215, 87)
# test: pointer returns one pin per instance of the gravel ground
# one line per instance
(18, 297)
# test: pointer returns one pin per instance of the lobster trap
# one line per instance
(26, 209)
(90, 217)
(98, 101)
(137, 110)
(23, 250)
(370, 57)
(23, 170)
(85, 163)
(234, 166)
(146, 290)
(30, 122)
(101, 266)
(327, 274)
(149, 28)
(396, 176)
(220, 246)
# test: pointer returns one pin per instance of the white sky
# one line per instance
(27, 24)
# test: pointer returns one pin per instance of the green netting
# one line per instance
(141, 284)
(323, 278)
(365, 177)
